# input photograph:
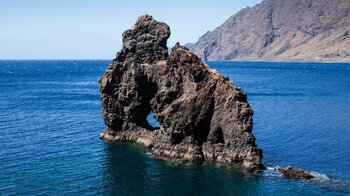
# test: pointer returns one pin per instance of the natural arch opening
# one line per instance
(153, 121)
(146, 90)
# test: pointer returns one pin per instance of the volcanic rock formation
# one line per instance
(293, 173)
(281, 30)
(202, 116)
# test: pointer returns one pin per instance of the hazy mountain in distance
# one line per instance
(281, 30)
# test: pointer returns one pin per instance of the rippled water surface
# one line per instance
(50, 119)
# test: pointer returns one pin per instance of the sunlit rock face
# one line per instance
(281, 30)
(202, 116)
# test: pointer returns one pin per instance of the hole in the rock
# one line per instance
(218, 136)
(153, 121)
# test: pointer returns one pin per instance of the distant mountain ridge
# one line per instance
(281, 30)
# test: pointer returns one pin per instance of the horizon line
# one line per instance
(247, 61)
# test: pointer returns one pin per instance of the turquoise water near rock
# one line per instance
(50, 119)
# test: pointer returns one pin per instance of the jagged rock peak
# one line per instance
(202, 116)
(147, 39)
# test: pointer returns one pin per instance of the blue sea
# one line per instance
(50, 120)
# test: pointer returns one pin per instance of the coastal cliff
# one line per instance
(281, 30)
(202, 115)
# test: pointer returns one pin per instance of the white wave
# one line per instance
(272, 168)
(319, 176)
(273, 171)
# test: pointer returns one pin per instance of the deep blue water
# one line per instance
(50, 119)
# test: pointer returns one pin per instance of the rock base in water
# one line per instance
(293, 173)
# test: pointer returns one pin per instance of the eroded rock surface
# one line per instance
(202, 116)
(293, 173)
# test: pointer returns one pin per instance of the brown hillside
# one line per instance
(282, 30)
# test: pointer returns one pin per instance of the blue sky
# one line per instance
(87, 29)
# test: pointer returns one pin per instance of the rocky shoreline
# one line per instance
(189, 153)
(180, 153)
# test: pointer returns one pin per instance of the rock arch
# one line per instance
(202, 116)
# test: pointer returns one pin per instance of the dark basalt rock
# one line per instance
(202, 116)
(293, 173)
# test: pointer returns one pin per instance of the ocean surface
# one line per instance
(50, 120)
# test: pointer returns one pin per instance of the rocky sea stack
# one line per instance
(202, 116)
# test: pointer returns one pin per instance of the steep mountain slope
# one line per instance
(281, 30)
